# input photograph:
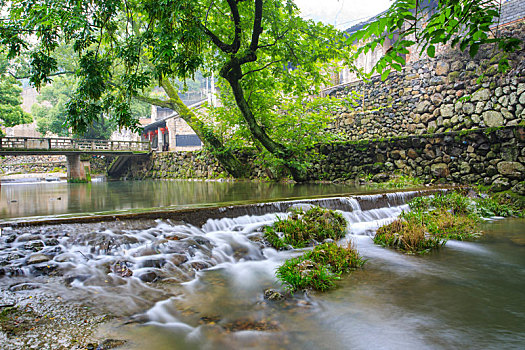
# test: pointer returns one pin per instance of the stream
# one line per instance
(172, 285)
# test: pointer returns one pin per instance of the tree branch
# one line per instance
(262, 68)
(218, 42)
(153, 101)
(257, 25)
(236, 44)
(250, 55)
(50, 75)
(279, 37)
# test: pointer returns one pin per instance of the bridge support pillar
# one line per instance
(77, 170)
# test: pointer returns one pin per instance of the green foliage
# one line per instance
(444, 224)
(399, 181)
(319, 268)
(263, 50)
(457, 203)
(11, 112)
(462, 23)
(434, 219)
(488, 206)
(52, 115)
(408, 236)
(301, 228)
(299, 273)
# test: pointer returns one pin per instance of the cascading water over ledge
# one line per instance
(129, 257)
(199, 215)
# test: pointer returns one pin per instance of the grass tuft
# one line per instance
(408, 236)
(435, 219)
(319, 268)
(302, 229)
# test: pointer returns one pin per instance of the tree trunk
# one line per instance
(225, 157)
(233, 76)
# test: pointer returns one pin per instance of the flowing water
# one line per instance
(178, 286)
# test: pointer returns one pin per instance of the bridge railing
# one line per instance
(66, 144)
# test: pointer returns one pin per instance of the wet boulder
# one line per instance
(46, 269)
(155, 262)
(178, 259)
(148, 276)
(35, 246)
(121, 269)
(273, 295)
(37, 259)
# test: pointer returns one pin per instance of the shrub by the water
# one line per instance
(399, 181)
(435, 219)
(319, 268)
(499, 206)
(408, 236)
(301, 228)
(445, 224)
(453, 201)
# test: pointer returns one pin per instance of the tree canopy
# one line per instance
(126, 47)
(11, 112)
(269, 59)
(51, 112)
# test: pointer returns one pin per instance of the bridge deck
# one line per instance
(58, 145)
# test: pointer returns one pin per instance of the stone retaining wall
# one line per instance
(32, 164)
(437, 95)
(486, 156)
(48, 163)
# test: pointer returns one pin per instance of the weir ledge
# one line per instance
(198, 216)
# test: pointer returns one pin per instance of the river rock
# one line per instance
(273, 295)
(35, 246)
(178, 259)
(442, 68)
(37, 259)
(121, 269)
(500, 184)
(440, 170)
(493, 119)
(511, 169)
(481, 95)
(148, 276)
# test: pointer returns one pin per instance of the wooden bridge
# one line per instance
(77, 170)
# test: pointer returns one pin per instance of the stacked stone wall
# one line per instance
(32, 164)
(486, 156)
(450, 93)
(48, 163)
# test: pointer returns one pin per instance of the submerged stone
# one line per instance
(273, 295)
(37, 259)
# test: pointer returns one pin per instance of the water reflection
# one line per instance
(42, 199)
